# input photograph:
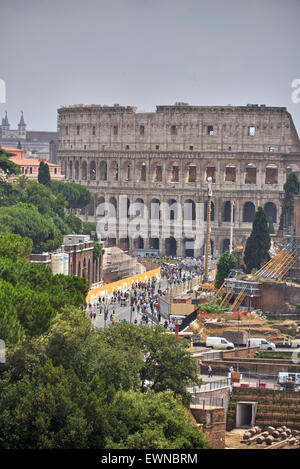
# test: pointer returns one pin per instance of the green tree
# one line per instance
(11, 330)
(44, 174)
(25, 220)
(291, 188)
(258, 243)
(14, 246)
(77, 196)
(225, 263)
(74, 223)
(6, 165)
(88, 227)
(162, 362)
(52, 409)
(152, 420)
(97, 251)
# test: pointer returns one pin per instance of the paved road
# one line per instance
(122, 313)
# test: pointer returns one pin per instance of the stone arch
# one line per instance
(157, 174)
(189, 247)
(124, 243)
(230, 173)
(225, 244)
(227, 211)
(138, 243)
(212, 211)
(250, 173)
(79, 269)
(141, 171)
(171, 246)
(103, 170)
(70, 170)
(91, 208)
(271, 174)
(92, 171)
(270, 210)
(89, 272)
(127, 171)
(139, 206)
(248, 212)
(84, 268)
(112, 210)
(84, 170)
(189, 209)
(76, 170)
(124, 207)
(100, 210)
(173, 175)
(155, 211)
(172, 209)
(154, 243)
(114, 171)
(191, 172)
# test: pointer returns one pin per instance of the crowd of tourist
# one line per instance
(143, 297)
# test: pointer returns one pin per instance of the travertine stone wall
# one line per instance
(161, 160)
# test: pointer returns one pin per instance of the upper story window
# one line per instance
(115, 130)
(78, 130)
(94, 130)
(156, 147)
(142, 130)
(67, 130)
(210, 130)
(251, 131)
(173, 130)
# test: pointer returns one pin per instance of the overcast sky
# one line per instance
(146, 52)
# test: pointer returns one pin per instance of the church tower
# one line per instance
(22, 127)
(5, 126)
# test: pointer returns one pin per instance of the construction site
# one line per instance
(275, 287)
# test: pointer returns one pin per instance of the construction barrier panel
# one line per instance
(109, 288)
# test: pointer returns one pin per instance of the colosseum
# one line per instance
(148, 171)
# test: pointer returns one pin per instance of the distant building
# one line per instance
(155, 167)
(74, 258)
(30, 166)
(32, 142)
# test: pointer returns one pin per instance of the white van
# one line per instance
(263, 344)
(219, 343)
(295, 343)
(283, 378)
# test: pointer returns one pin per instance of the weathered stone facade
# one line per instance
(160, 162)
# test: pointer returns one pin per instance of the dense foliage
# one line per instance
(37, 211)
(30, 295)
(73, 387)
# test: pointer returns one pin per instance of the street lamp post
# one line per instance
(207, 244)
(238, 357)
(231, 226)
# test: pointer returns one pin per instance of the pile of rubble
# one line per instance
(272, 438)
